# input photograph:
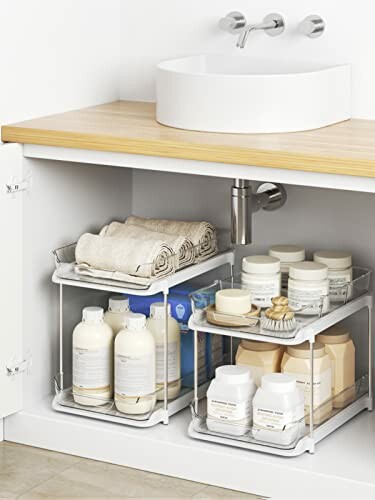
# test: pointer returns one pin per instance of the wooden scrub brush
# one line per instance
(279, 317)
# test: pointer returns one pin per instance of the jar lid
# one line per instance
(157, 310)
(280, 383)
(308, 271)
(256, 345)
(261, 264)
(233, 374)
(94, 314)
(118, 304)
(334, 335)
(303, 350)
(135, 321)
(333, 259)
(288, 253)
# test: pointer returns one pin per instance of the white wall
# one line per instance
(57, 55)
(156, 30)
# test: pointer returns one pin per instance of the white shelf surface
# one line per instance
(69, 278)
(343, 467)
(304, 333)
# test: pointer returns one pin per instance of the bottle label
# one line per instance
(308, 300)
(173, 362)
(274, 420)
(339, 286)
(322, 387)
(134, 374)
(92, 368)
(262, 292)
(229, 410)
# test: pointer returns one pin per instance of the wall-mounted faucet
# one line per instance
(268, 197)
(235, 23)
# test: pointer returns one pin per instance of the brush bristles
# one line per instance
(279, 325)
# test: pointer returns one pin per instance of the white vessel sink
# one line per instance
(237, 94)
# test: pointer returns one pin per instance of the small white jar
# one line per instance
(118, 310)
(278, 410)
(261, 276)
(308, 288)
(340, 273)
(229, 400)
(288, 254)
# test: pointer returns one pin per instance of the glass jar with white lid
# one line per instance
(308, 288)
(340, 273)
(287, 254)
(261, 276)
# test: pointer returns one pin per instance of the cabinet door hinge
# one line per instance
(15, 186)
(16, 367)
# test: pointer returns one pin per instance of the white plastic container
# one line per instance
(92, 359)
(156, 325)
(229, 400)
(261, 276)
(135, 367)
(278, 410)
(340, 273)
(308, 287)
(287, 254)
(118, 309)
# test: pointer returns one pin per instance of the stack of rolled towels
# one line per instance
(142, 250)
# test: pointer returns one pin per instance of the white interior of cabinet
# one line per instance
(69, 198)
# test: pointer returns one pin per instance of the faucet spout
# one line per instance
(244, 35)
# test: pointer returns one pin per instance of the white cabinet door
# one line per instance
(11, 355)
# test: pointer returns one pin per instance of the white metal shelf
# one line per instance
(65, 275)
(308, 329)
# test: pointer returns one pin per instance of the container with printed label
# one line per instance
(118, 309)
(156, 325)
(296, 363)
(260, 357)
(229, 400)
(278, 410)
(288, 254)
(261, 276)
(340, 273)
(92, 359)
(308, 288)
(135, 367)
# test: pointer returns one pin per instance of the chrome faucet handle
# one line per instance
(312, 26)
(234, 22)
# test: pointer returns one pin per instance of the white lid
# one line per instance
(118, 304)
(260, 264)
(157, 310)
(135, 321)
(333, 259)
(233, 374)
(309, 271)
(288, 253)
(94, 314)
(278, 382)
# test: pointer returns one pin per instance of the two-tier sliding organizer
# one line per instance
(65, 275)
(304, 434)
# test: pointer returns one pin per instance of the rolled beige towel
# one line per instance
(182, 247)
(201, 234)
(130, 260)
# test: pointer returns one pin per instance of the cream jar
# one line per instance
(308, 288)
(260, 357)
(287, 254)
(341, 350)
(229, 400)
(278, 410)
(261, 276)
(296, 363)
(340, 273)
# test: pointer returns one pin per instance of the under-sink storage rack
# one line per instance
(65, 275)
(304, 434)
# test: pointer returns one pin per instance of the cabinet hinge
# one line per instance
(16, 367)
(15, 186)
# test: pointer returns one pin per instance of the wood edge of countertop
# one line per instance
(288, 160)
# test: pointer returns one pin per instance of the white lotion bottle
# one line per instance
(118, 310)
(92, 359)
(135, 367)
(156, 325)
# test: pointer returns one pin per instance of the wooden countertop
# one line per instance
(347, 148)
